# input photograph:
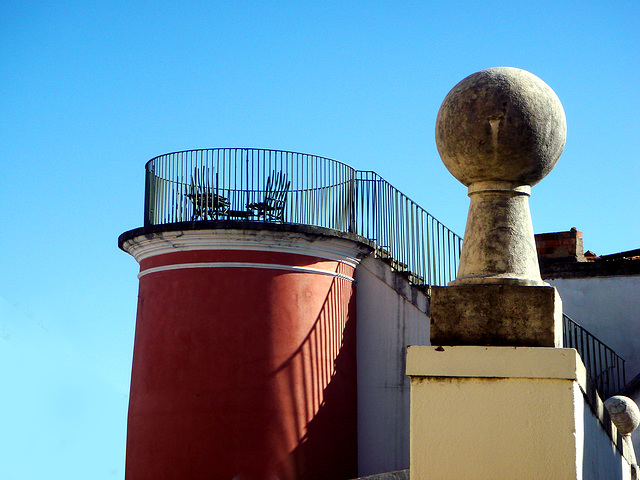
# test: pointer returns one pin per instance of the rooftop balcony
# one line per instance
(255, 185)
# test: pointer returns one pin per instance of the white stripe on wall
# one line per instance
(267, 266)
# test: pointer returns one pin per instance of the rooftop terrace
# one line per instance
(256, 185)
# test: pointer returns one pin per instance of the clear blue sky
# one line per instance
(89, 91)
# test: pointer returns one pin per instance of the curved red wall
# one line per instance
(244, 367)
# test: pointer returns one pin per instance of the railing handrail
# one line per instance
(291, 152)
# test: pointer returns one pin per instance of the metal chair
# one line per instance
(206, 203)
(272, 207)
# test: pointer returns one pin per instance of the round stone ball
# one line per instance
(624, 413)
(501, 124)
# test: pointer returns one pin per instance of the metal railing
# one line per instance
(411, 239)
(604, 367)
(225, 183)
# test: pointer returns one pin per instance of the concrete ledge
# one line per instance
(397, 475)
(496, 362)
(243, 225)
(496, 315)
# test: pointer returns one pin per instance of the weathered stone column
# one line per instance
(499, 131)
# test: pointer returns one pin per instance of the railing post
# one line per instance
(604, 367)
(353, 200)
(149, 196)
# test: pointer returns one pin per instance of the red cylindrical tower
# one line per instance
(244, 361)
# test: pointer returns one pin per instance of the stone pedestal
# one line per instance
(500, 131)
(499, 245)
(495, 412)
(526, 316)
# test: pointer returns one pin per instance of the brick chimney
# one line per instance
(564, 245)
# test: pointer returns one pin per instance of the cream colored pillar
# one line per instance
(496, 413)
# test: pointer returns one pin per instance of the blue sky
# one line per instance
(89, 91)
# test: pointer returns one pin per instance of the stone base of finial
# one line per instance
(496, 315)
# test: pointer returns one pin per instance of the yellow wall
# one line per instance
(495, 412)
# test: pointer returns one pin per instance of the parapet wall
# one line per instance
(392, 314)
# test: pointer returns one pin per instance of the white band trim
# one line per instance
(330, 248)
(266, 266)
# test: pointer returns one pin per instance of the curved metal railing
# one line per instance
(288, 187)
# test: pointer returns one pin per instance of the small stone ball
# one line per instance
(501, 124)
(624, 413)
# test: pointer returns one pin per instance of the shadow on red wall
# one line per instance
(322, 376)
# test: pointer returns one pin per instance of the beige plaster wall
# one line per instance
(494, 428)
(505, 412)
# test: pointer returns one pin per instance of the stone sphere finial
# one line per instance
(499, 131)
(624, 413)
(501, 124)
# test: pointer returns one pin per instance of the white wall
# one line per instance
(600, 458)
(609, 308)
(390, 316)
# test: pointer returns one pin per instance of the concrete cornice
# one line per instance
(497, 362)
(324, 246)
